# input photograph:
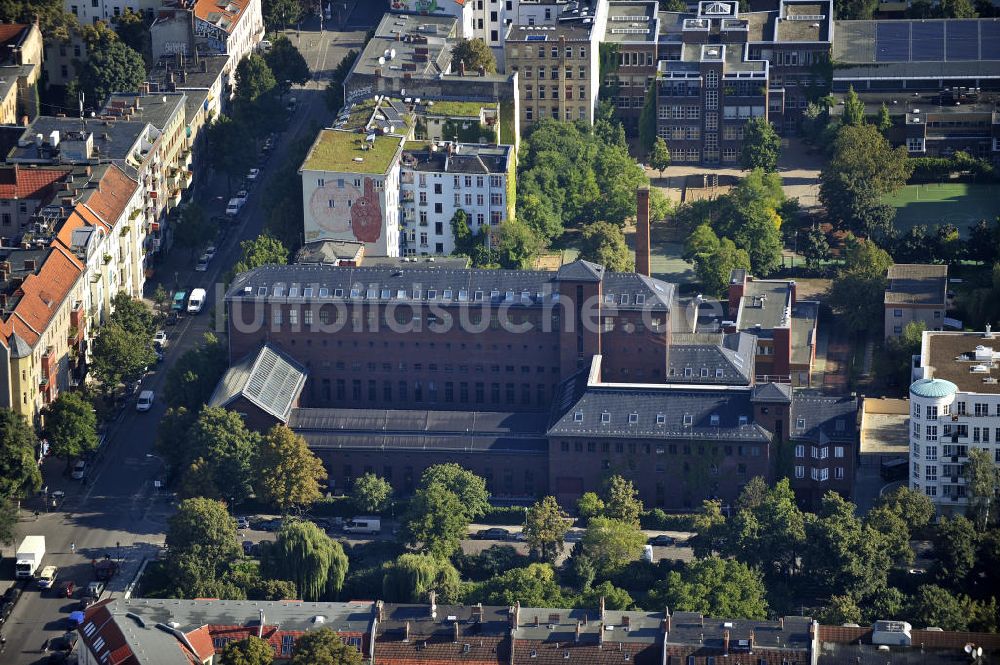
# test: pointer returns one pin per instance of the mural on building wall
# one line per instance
(417, 5)
(346, 209)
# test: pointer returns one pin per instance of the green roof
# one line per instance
(337, 150)
(458, 109)
(933, 388)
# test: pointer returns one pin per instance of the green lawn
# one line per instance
(960, 204)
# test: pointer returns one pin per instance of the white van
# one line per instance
(234, 206)
(145, 401)
(196, 301)
(363, 525)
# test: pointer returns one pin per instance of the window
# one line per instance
(800, 472)
(605, 417)
(930, 472)
(800, 450)
(932, 433)
(838, 451)
(838, 473)
(930, 453)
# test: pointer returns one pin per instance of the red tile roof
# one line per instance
(481, 651)
(9, 31)
(114, 192)
(44, 292)
(212, 10)
(21, 183)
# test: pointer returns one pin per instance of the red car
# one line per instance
(66, 589)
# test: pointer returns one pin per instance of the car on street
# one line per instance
(249, 548)
(180, 297)
(66, 589)
(210, 252)
(663, 540)
(160, 338)
(493, 533)
(243, 194)
(171, 319)
(47, 577)
(79, 470)
(234, 206)
(11, 595)
(268, 144)
(196, 301)
(202, 265)
(145, 401)
(5, 612)
(65, 642)
(253, 174)
(292, 104)
(242, 523)
(265, 45)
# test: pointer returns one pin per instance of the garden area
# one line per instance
(958, 203)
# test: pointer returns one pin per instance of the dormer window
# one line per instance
(840, 425)
(293, 292)
(714, 420)
(448, 294)
(578, 417)
(640, 299)
(463, 295)
(386, 294)
(401, 294)
(355, 293)
(525, 295)
(261, 290)
(509, 296)
(610, 299)
(325, 293)
(605, 417)
(718, 372)
(661, 419)
(495, 293)
(800, 423)
(337, 293)
(624, 299)
(371, 293)
(279, 291)
(416, 294)
(307, 292)
(744, 421)
(704, 372)
(688, 372)
(633, 418)
(688, 420)
(431, 294)
(478, 296)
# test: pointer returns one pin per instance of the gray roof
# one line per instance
(773, 393)
(406, 34)
(654, 412)
(693, 628)
(112, 140)
(18, 347)
(467, 431)
(917, 284)
(765, 304)
(156, 109)
(468, 158)
(559, 625)
(396, 616)
(320, 284)
(193, 76)
(269, 379)
(711, 358)
(823, 417)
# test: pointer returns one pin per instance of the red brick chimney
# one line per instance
(737, 285)
(793, 287)
(642, 231)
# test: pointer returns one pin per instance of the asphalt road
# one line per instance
(119, 512)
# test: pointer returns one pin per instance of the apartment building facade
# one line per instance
(630, 38)
(20, 69)
(955, 407)
(437, 180)
(558, 62)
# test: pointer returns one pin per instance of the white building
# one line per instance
(350, 190)
(440, 179)
(233, 27)
(954, 407)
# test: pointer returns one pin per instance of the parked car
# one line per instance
(66, 642)
(663, 540)
(242, 523)
(11, 595)
(202, 265)
(66, 589)
(234, 206)
(171, 319)
(493, 533)
(145, 401)
(180, 297)
(253, 174)
(196, 301)
(210, 252)
(47, 577)
(160, 337)
(249, 548)
(265, 45)
(79, 470)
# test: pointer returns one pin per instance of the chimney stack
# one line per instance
(455, 630)
(725, 642)
(795, 291)
(406, 632)
(670, 620)
(379, 611)
(602, 608)
(737, 286)
(461, 67)
(751, 640)
(432, 597)
(781, 623)
(260, 625)
(642, 231)
(579, 629)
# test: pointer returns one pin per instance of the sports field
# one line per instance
(960, 204)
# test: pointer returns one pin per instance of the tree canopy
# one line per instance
(717, 587)
(289, 474)
(303, 554)
(605, 244)
(192, 379)
(324, 647)
(409, 577)
(218, 453)
(262, 250)
(371, 494)
(545, 527)
(19, 473)
(469, 488)
(659, 156)
(436, 521)
(475, 54)
(71, 425)
(761, 146)
(611, 543)
(859, 289)
(114, 67)
(250, 651)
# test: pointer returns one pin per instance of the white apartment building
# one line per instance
(954, 407)
(439, 179)
(89, 12)
(233, 27)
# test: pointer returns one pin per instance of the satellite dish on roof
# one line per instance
(381, 60)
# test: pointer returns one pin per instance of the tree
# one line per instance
(895, 532)
(460, 231)
(614, 598)
(193, 377)
(855, 9)
(371, 494)
(133, 29)
(864, 168)
(437, 521)
(610, 543)
(160, 296)
(768, 530)
(8, 521)
(288, 473)
(469, 488)
(761, 146)
(714, 259)
(54, 20)
(859, 288)
(132, 314)
(112, 68)
(229, 150)
(72, 426)
(884, 123)
(533, 586)
(201, 537)
(306, 556)
(517, 245)
(955, 544)
(854, 109)
(19, 473)
(193, 230)
(539, 216)
(984, 241)
(915, 508)
(260, 251)
(815, 247)
(120, 356)
(647, 121)
(622, 501)
(983, 483)
(475, 54)
(717, 587)
(604, 243)
(935, 606)
(249, 651)
(589, 505)
(217, 454)
(279, 13)
(324, 647)
(841, 610)
(710, 530)
(659, 156)
(545, 528)
(958, 9)
(409, 577)
(254, 79)
(334, 95)
(286, 63)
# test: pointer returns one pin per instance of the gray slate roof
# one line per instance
(823, 417)
(773, 393)
(654, 412)
(466, 431)
(269, 379)
(319, 284)
(723, 359)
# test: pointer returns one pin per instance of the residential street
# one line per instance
(119, 512)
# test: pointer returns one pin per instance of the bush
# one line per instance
(658, 519)
(503, 516)
(936, 169)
